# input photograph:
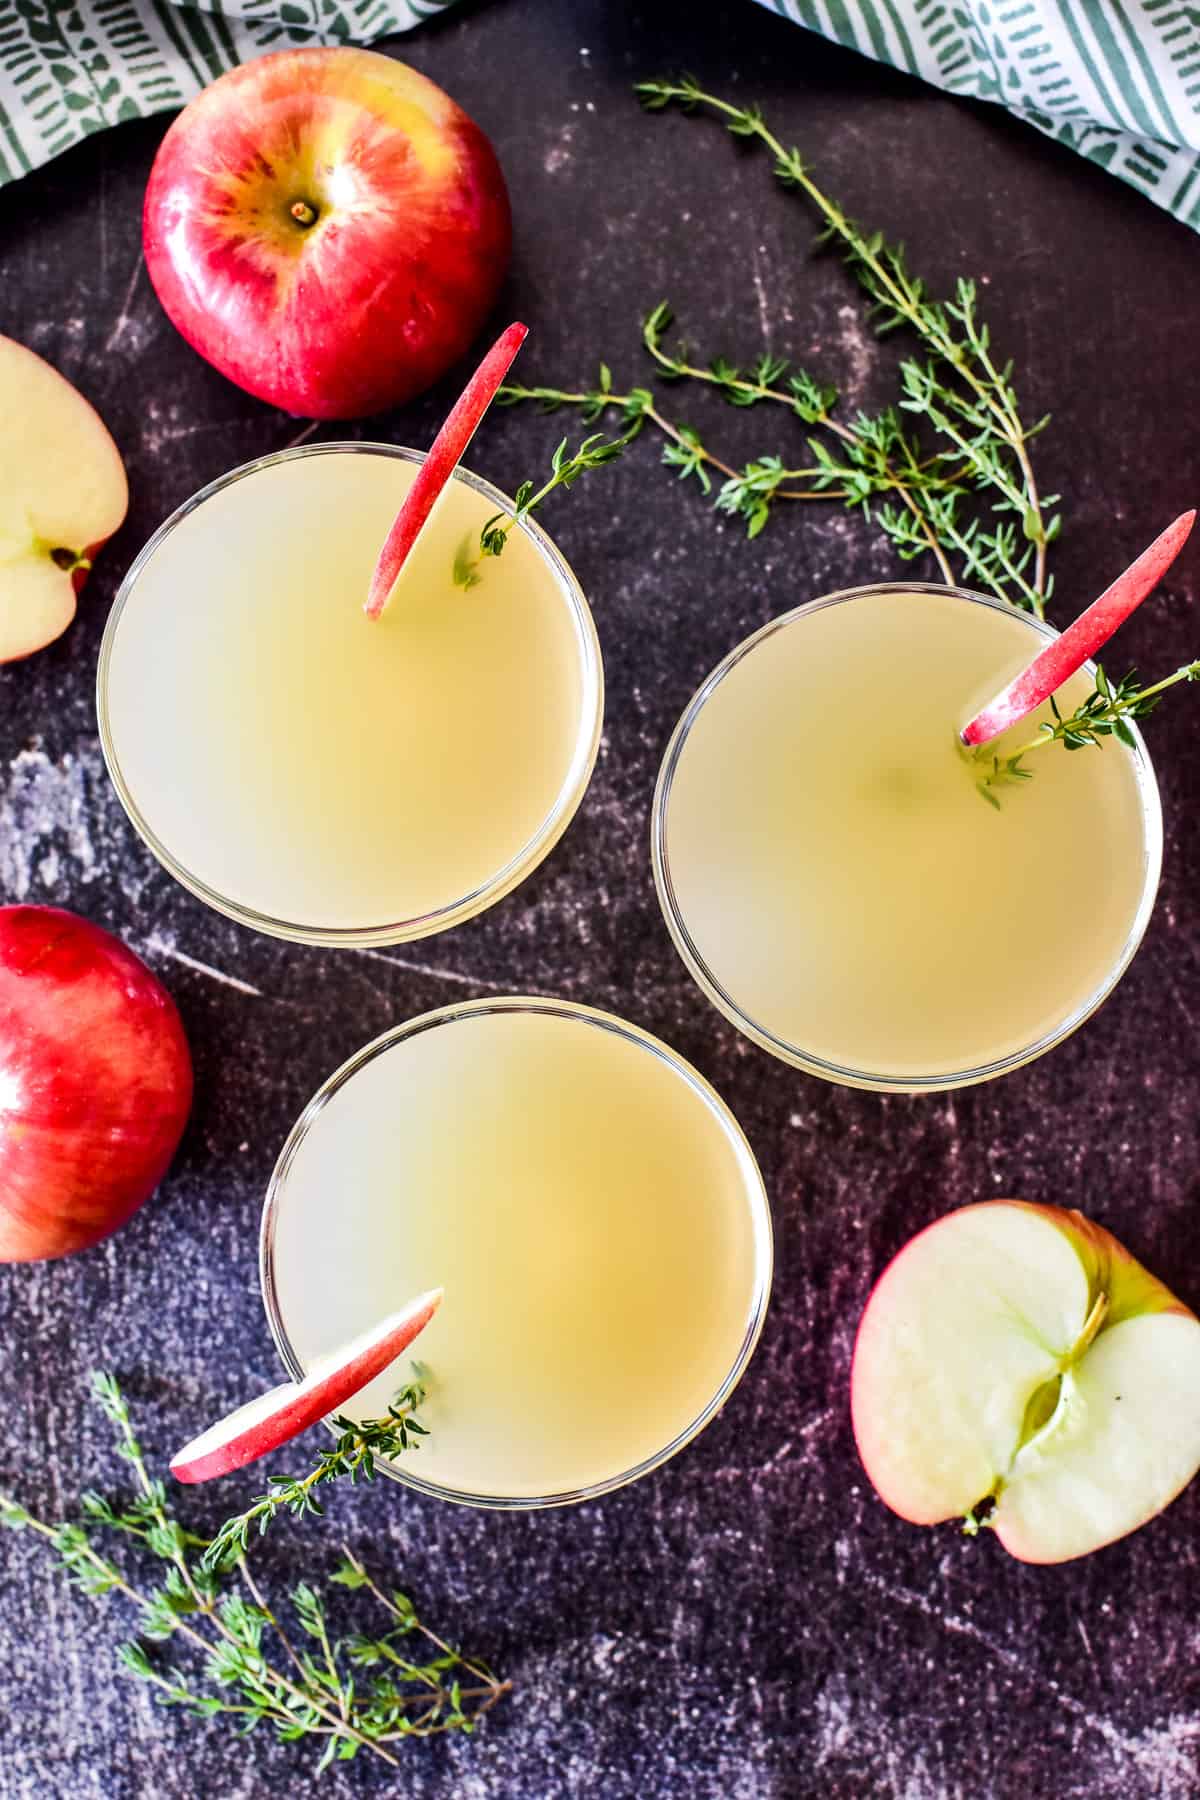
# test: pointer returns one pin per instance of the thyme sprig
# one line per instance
(1104, 713)
(246, 1663)
(353, 1454)
(565, 470)
(968, 498)
(963, 393)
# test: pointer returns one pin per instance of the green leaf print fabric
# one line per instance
(1116, 80)
(71, 67)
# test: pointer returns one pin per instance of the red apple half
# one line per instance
(328, 228)
(1016, 1366)
(275, 1418)
(445, 453)
(95, 1083)
(62, 494)
(1089, 632)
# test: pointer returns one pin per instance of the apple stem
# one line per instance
(303, 213)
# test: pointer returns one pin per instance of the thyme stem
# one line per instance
(407, 1696)
(1104, 713)
(921, 496)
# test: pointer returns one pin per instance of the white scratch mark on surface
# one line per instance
(764, 317)
(1087, 1642)
(170, 425)
(857, 345)
(1159, 1748)
(302, 437)
(125, 314)
(160, 946)
(420, 968)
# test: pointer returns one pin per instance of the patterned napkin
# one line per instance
(1116, 80)
(71, 67)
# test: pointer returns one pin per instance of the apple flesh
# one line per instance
(1092, 629)
(62, 494)
(276, 1417)
(328, 228)
(95, 1083)
(1015, 1366)
(445, 453)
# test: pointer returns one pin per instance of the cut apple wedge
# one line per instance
(275, 1418)
(445, 453)
(1092, 629)
(1015, 1366)
(62, 494)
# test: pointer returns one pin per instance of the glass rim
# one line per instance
(753, 1186)
(812, 1064)
(522, 863)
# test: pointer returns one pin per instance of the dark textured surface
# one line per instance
(750, 1622)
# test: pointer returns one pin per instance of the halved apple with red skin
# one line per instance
(328, 228)
(1016, 1366)
(276, 1417)
(62, 495)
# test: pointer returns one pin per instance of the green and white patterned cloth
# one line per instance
(71, 67)
(1116, 80)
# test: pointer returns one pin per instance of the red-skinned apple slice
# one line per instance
(1015, 1364)
(445, 453)
(1093, 628)
(275, 1418)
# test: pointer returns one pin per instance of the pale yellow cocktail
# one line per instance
(591, 1209)
(837, 884)
(328, 777)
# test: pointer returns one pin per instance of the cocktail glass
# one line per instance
(328, 778)
(592, 1210)
(830, 870)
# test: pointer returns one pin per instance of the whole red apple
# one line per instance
(95, 1083)
(328, 228)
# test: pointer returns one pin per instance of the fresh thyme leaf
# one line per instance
(963, 494)
(353, 1454)
(243, 1664)
(945, 473)
(1105, 712)
(565, 470)
(466, 569)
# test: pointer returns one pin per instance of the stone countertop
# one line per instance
(750, 1622)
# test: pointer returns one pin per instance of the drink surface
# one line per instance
(842, 879)
(595, 1218)
(320, 768)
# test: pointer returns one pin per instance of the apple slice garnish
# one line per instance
(1016, 1367)
(1068, 653)
(445, 453)
(62, 494)
(275, 1418)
